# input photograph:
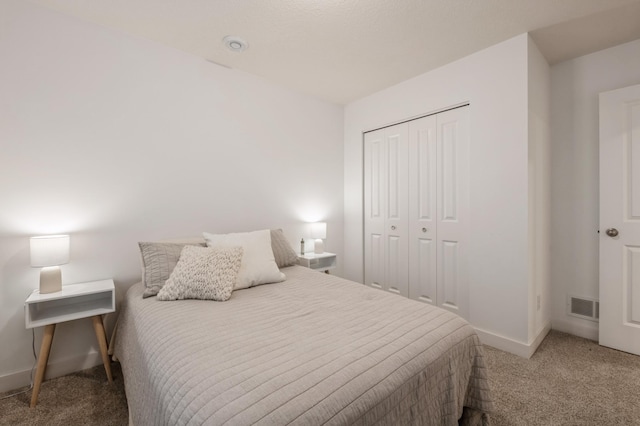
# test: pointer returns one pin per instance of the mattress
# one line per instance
(314, 349)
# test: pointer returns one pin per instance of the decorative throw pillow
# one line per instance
(282, 251)
(258, 263)
(203, 273)
(158, 260)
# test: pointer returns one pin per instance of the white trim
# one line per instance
(525, 350)
(22, 378)
(13, 381)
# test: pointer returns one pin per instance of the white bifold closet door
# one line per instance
(386, 209)
(416, 209)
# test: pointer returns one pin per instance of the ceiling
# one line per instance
(342, 50)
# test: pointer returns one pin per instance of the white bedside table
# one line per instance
(75, 301)
(322, 262)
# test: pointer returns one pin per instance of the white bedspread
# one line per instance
(314, 349)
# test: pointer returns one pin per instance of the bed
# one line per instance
(313, 349)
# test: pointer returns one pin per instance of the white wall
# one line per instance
(115, 139)
(575, 86)
(494, 81)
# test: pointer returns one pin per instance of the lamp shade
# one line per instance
(319, 230)
(50, 250)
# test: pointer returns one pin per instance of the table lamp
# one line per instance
(48, 253)
(319, 232)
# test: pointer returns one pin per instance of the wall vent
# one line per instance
(584, 308)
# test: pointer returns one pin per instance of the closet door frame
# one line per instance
(436, 199)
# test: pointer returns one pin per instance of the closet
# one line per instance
(416, 197)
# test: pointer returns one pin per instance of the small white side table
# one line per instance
(75, 301)
(322, 262)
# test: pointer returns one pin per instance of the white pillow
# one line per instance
(203, 273)
(258, 263)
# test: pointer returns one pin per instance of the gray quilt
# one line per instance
(314, 349)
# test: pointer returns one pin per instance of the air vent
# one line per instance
(585, 308)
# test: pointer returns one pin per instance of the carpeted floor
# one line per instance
(569, 381)
(82, 398)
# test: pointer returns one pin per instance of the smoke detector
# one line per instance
(235, 44)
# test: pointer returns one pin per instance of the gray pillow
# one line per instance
(282, 251)
(158, 261)
(203, 273)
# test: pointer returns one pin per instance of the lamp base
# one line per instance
(50, 280)
(318, 246)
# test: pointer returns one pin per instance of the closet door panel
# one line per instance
(395, 178)
(453, 209)
(422, 209)
(396, 221)
(396, 273)
(422, 278)
(450, 272)
(449, 173)
(375, 277)
(374, 207)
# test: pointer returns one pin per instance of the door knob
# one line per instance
(612, 232)
(393, 227)
(424, 229)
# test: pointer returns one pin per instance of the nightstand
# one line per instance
(75, 301)
(322, 262)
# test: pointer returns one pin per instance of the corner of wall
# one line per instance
(539, 163)
(56, 368)
(576, 84)
(521, 349)
(494, 82)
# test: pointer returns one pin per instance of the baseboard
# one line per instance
(524, 350)
(585, 329)
(54, 369)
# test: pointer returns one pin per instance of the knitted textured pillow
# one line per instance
(158, 261)
(203, 273)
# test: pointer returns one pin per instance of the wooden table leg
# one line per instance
(45, 348)
(102, 341)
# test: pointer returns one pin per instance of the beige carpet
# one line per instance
(569, 381)
(82, 398)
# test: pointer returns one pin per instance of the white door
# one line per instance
(438, 209)
(396, 220)
(386, 209)
(453, 209)
(423, 195)
(374, 205)
(620, 219)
